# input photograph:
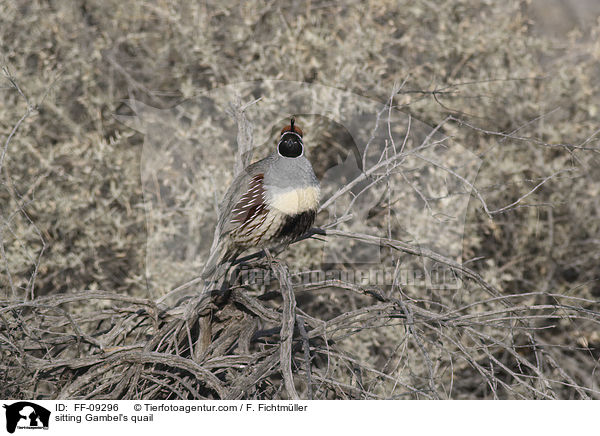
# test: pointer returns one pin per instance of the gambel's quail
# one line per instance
(270, 204)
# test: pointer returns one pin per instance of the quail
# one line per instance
(270, 204)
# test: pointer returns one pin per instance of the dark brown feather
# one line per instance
(295, 226)
(251, 203)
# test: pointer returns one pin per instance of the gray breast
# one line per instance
(285, 173)
(291, 186)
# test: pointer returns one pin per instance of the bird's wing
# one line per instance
(244, 198)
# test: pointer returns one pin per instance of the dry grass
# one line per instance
(477, 154)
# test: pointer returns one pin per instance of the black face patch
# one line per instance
(290, 145)
(295, 226)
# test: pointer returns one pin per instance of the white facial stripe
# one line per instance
(296, 201)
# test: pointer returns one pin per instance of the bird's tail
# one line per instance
(214, 258)
(220, 254)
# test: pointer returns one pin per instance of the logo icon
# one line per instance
(26, 415)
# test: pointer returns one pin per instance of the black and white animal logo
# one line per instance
(25, 414)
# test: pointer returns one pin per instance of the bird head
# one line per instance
(290, 143)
